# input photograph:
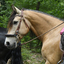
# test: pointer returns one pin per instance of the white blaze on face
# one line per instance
(12, 41)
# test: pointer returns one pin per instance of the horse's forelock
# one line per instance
(10, 22)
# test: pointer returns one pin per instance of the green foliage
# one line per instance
(5, 11)
(53, 7)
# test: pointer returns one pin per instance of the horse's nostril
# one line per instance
(8, 43)
(14, 44)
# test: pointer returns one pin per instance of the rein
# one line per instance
(17, 31)
(42, 34)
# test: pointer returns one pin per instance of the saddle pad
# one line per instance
(62, 31)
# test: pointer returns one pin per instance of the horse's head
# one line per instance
(18, 27)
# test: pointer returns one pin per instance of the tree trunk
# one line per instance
(38, 5)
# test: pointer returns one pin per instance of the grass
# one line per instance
(30, 57)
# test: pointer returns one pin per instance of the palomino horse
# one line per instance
(21, 21)
(6, 53)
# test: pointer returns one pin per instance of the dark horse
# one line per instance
(6, 53)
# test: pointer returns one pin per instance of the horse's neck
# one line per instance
(42, 22)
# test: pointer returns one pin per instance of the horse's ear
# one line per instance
(16, 9)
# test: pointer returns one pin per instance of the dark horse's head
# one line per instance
(6, 53)
(3, 31)
(3, 49)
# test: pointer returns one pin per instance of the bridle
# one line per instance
(17, 30)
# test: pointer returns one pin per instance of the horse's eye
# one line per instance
(15, 22)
